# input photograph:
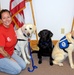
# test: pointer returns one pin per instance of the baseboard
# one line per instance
(33, 44)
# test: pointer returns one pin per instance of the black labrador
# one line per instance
(45, 45)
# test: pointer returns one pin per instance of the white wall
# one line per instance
(50, 14)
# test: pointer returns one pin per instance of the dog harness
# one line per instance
(20, 40)
(63, 44)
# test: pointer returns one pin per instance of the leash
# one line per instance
(33, 66)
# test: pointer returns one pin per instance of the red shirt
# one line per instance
(8, 39)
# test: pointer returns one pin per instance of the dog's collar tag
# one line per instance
(29, 40)
(63, 44)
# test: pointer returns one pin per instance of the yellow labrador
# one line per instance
(23, 34)
(64, 48)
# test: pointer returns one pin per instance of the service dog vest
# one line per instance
(63, 44)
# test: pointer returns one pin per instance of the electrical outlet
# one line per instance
(62, 30)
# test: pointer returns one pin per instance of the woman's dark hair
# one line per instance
(2, 11)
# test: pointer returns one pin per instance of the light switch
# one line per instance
(62, 30)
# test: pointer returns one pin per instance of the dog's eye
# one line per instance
(30, 28)
(25, 29)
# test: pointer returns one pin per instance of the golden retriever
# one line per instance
(59, 53)
(23, 34)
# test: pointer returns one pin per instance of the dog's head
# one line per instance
(45, 34)
(70, 37)
(28, 29)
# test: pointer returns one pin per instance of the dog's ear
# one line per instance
(40, 34)
(50, 34)
(22, 28)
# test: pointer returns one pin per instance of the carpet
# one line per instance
(46, 69)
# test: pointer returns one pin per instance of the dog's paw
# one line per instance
(60, 64)
(51, 63)
(27, 62)
(29, 57)
(39, 61)
(57, 63)
(72, 66)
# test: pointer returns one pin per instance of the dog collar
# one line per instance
(45, 42)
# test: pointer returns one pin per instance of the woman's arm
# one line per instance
(4, 53)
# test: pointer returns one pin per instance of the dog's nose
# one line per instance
(28, 34)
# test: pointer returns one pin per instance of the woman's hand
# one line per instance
(4, 53)
(12, 59)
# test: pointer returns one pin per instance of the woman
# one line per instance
(9, 62)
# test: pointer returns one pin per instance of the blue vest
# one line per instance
(63, 44)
